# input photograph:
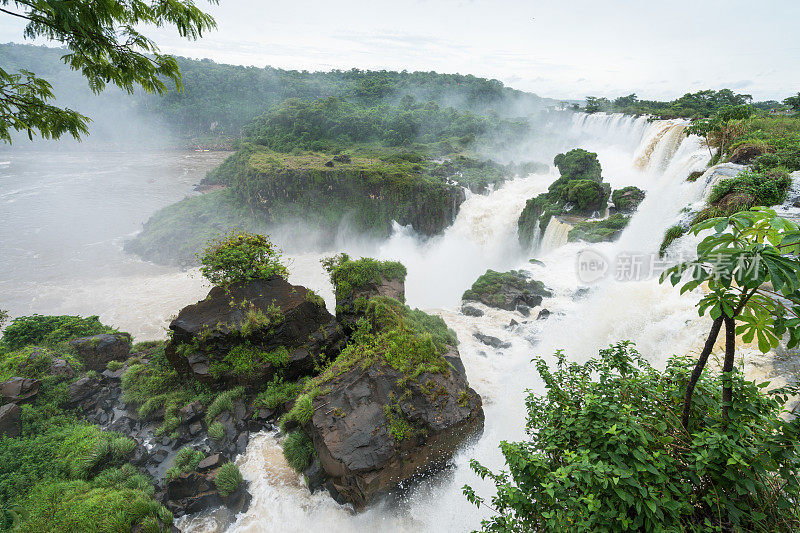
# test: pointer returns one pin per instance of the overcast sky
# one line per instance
(560, 49)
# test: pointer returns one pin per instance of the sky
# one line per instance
(564, 49)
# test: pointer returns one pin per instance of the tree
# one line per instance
(793, 102)
(239, 257)
(753, 274)
(595, 104)
(605, 451)
(104, 44)
(720, 127)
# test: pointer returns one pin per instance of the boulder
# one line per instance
(544, 314)
(471, 311)
(193, 492)
(97, 351)
(488, 340)
(245, 334)
(10, 414)
(347, 310)
(82, 389)
(744, 154)
(373, 427)
(19, 389)
(627, 199)
(507, 290)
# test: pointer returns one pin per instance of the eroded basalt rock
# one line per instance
(374, 429)
(97, 351)
(194, 492)
(10, 415)
(19, 389)
(269, 316)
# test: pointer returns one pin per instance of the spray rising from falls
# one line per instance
(439, 269)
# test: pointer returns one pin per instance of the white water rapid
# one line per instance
(656, 157)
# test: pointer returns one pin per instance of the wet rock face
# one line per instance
(370, 432)
(97, 351)
(286, 327)
(746, 153)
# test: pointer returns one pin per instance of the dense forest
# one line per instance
(220, 99)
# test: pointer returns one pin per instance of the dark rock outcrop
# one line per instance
(488, 340)
(10, 414)
(193, 492)
(471, 311)
(97, 351)
(744, 154)
(371, 433)
(289, 329)
(507, 290)
(19, 389)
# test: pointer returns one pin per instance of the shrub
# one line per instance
(675, 232)
(277, 393)
(33, 362)
(228, 479)
(599, 230)
(114, 365)
(239, 257)
(50, 330)
(185, 460)
(301, 411)
(607, 452)
(216, 431)
(349, 275)
(223, 402)
(627, 198)
(579, 164)
(244, 360)
(766, 189)
(122, 446)
(587, 195)
(298, 450)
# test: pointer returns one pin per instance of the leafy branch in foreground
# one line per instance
(104, 44)
(607, 452)
(752, 272)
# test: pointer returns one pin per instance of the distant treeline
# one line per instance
(332, 124)
(701, 104)
(220, 99)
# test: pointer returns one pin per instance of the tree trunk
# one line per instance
(727, 367)
(698, 369)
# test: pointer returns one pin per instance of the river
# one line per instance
(65, 217)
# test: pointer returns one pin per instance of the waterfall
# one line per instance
(656, 317)
(555, 235)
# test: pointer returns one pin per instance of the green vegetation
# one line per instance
(157, 385)
(691, 105)
(298, 450)
(490, 285)
(239, 257)
(185, 461)
(277, 393)
(627, 199)
(409, 341)
(399, 428)
(578, 191)
(746, 190)
(244, 360)
(752, 272)
(348, 276)
(228, 479)
(105, 47)
(301, 411)
(606, 452)
(607, 229)
(223, 402)
(177, 234)
(50, 330)
(333, 124)
(672, 233)
(216, 431)
(61, 473)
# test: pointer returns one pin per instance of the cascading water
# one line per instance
(484, 236)
(555, 235)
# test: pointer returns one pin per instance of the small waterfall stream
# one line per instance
(654, 156)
